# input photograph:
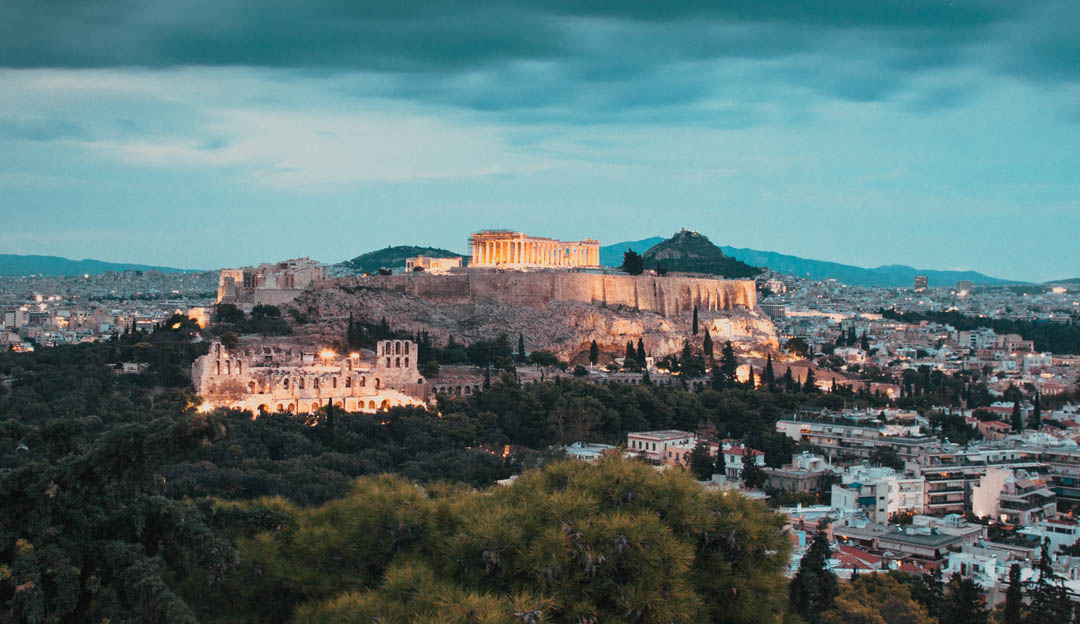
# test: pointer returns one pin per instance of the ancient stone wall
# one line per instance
(664, 295)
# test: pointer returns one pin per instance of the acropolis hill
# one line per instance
(550, 291)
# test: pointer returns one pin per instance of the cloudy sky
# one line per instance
(210, 133)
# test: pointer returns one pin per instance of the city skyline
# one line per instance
(938, 135)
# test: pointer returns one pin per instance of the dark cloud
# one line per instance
(583, 58)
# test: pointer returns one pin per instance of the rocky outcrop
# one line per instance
(564, 327)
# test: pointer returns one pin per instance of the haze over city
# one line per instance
(935, 134)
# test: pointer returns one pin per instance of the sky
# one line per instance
(210, 133)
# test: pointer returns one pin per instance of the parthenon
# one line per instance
(499, 248)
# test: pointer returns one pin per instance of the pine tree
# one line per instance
(707, 346)
(1035, 420)
(641, 352)
(769, 377)
(594, 353)
(1017, 419)
(1014, 597)
(964, 602)
(814, 587)
(695, 323)
(1048, 599)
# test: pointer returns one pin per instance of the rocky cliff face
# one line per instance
(563, 327)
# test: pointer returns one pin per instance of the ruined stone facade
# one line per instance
(269, 283)
(505, 248)
(667, 296)
(283, 378)
(436, 266)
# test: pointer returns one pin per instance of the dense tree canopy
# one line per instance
(615, 541)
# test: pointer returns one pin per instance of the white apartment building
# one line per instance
(879, 492)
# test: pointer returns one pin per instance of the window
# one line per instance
(406, 362)
(301, 383)
(315, 383)
(333, 382)
(406, 348)
(348, 382)
(286, 386)
(397, 362)
(397, 348)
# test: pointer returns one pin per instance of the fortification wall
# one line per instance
(663, 295)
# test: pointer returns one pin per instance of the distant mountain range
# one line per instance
(55, 266)
(889, 276)
(394, 257)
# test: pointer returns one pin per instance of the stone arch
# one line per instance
(406, 348)
(280, 408)
(251, 387)
(264, 408)
(338, 404)
(468, 390)
(385, 405)
(291, 408)
(397, 348)
(218, 369)
(420, 381)
(371, 404)
(314, 405)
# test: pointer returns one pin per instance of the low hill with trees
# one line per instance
(394, 257)
(690, 252)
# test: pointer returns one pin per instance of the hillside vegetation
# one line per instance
(690, 252)
(394, 257)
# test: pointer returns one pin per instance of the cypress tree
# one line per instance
(769, 377)
(1035, 420)
(810, 386)
(594, 353)
(641, 352)
(1014, 597)
(789, 381)
(630, 355)
(707, 346)
(1048, 597)
(728, 363)
(695, 324)
(750, 385)
(521, 347)
(1017, 419)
